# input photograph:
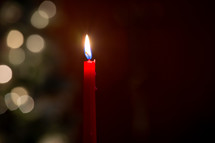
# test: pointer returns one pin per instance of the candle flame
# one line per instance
(87, 49)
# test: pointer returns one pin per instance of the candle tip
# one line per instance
(87, 49)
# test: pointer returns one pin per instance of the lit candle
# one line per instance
(89, 102)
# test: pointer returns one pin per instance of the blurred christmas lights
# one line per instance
(39, 21)
(25, 103)
(20, 91)
(35, 43)
(47, 9)
(15, 39)
(11, 101)
(10, 12)
(16, 56)
(54, 138)
(3, 107)
(5, 74)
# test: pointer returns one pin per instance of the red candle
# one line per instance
(89, 102)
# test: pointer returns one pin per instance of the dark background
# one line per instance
(154, 68)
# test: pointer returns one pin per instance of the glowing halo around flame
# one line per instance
(87, 49)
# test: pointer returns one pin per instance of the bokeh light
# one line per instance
(3, 107)
(10, 12)
(15, 39)
(16, 56)
(22, 100)
(20, 91)
(53, 138)
(39, 21)
(25, 103)
(14, 98)
(47, 9)
(11, 101)
(35, 43)
(5, 74)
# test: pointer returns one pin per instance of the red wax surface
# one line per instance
(89, 103)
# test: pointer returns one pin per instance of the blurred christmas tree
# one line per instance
(28, 79)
